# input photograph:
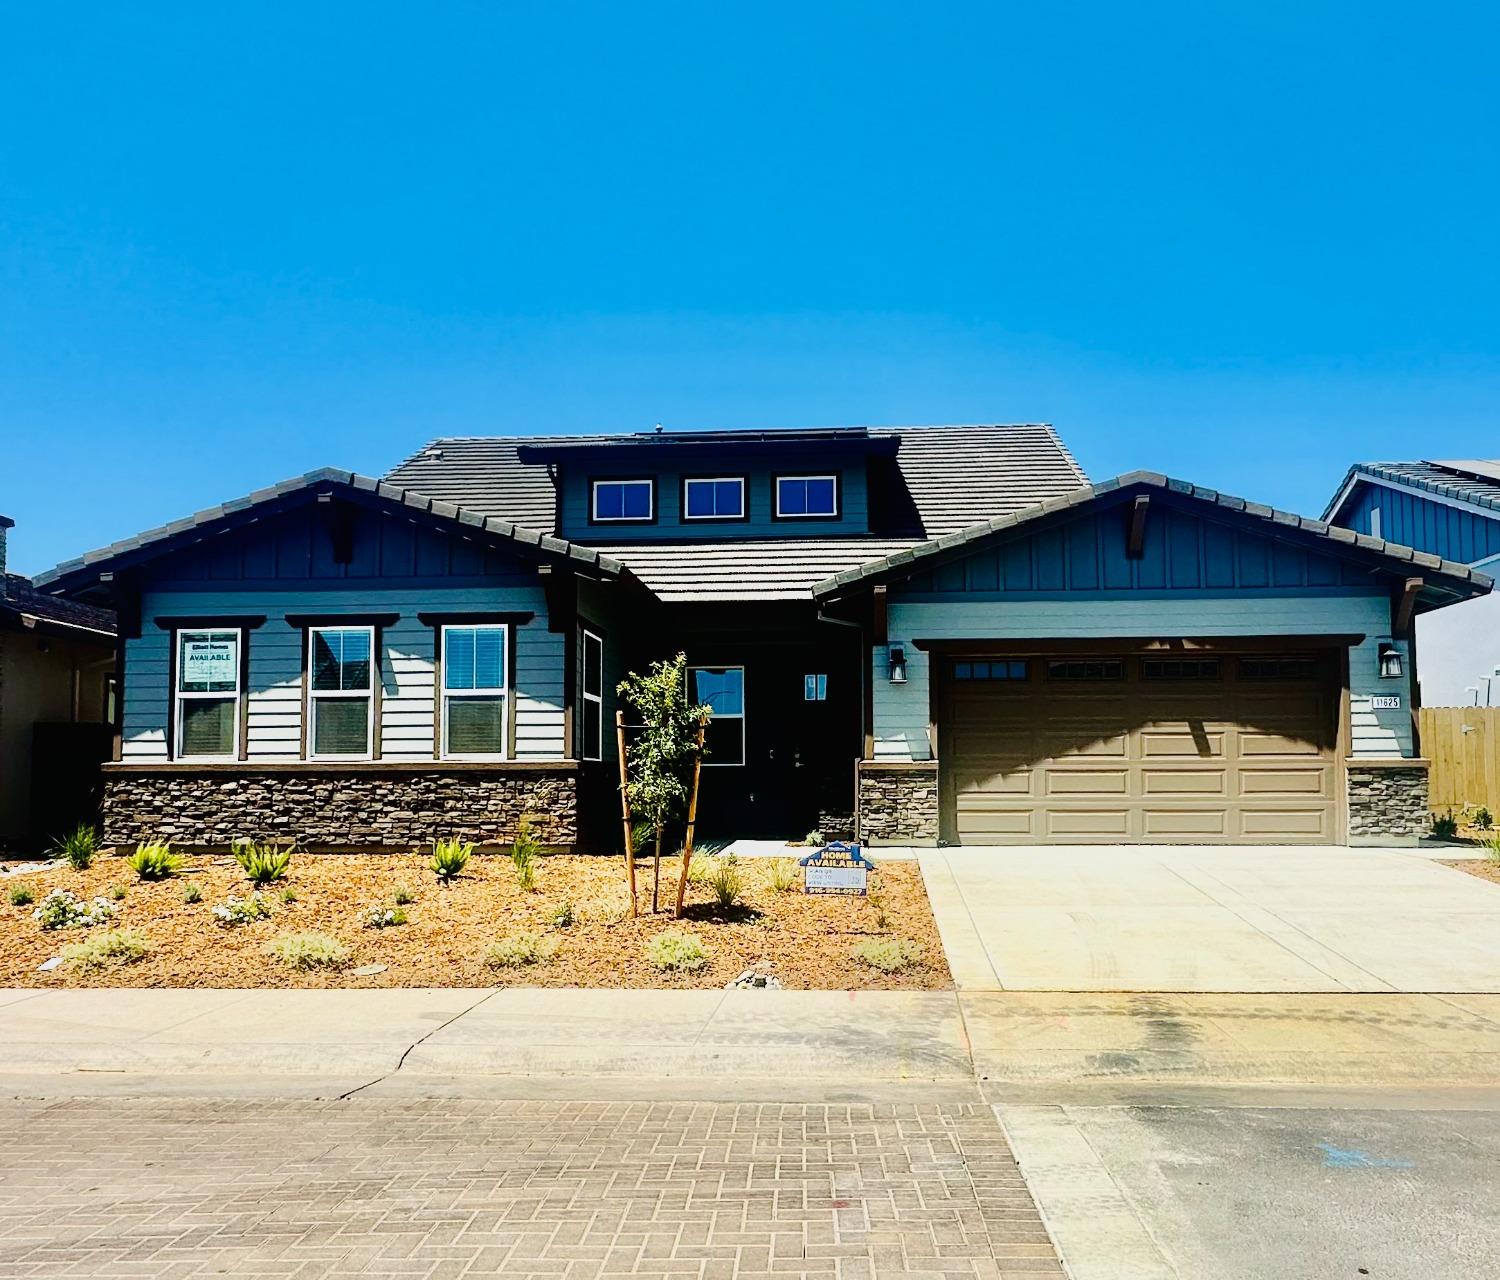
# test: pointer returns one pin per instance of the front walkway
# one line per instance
(1178, 919)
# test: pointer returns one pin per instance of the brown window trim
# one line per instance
(477, 618)
(202, 622)
(376, 620)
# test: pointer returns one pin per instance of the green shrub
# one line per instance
(382, 917)
(192, 892)
(525, 849)
(117, 892)
(675, 950)
(1492, 849)
(519, 949)
(233, 911)
(889, 955)
(21, 896)
(784, 875)
(64, 909)
(288, 895)
(564, 916)
(814, 838)
(1482, 819)
(309, 950)
(262, 863)
(726, 884)
(403, 897)
(79, 846)
(1444, 826)
(450, 857)
(113, 946)
(154, 862)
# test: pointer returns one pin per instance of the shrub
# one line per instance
(783, 875)
(117, 892)
(192, 892)
(1482, 819)
(726, 884)
(113, 946)
(524, 851)
(79, 846)
(64, 909)
(403, 897)
(519, 949)
(1444, 826)
(450, 857)
(234, 910)
(889, 955)
(564, 916)
(1492, 849)
(262, 863)
(382, 917)
(876, 903)
(21, 896)
(308, 950)
(814, 838)
(154, 862)
(701, 870)
(288, 895)
(675, 950)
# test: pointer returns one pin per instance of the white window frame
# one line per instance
(808, 515)
(596, 518)
(688, 483)
(708, 761)
(503, 692)
(179, 695)
(315, 695)
(592, 704)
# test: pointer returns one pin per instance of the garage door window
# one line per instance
(989, 670)
(1279, 667)
(1179, 668)
(1086, 669)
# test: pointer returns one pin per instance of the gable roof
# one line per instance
(21, 601)
(212, 520)
(955, 475)
(1458, 578)
(1476, 483)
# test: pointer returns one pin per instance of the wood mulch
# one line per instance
(804, 941)
(1484, 868)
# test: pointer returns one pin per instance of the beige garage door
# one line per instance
(1140, 748)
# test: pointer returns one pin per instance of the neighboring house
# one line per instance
(57, 669)
(1451, 509)
(916, 633)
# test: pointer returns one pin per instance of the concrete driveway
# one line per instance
(1176, 919)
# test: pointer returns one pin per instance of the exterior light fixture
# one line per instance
(1392, 664)
(897, 664)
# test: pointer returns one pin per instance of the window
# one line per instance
(815, 688)
(723, 690)
(474, 690)
(802, 497)
(713, 499)
(1179, 668)
(340, 691)
(1279, 667)
(593, 697)
(208, 695)
(623, 501)
(1085, 669)
(1014, 669)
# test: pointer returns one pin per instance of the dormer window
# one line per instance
(713, 498)
(807, 497)
(624, 501)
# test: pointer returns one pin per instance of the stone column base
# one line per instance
(898, 802)
(1387, 801)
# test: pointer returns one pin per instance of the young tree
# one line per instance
(659, 765)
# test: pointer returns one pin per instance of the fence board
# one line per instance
(1463, 744)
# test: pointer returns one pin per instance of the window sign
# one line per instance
(815, 688)
(210, 663)
(207, 715)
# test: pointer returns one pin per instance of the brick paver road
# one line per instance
(179, 1188)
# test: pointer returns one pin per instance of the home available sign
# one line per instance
(839, 867)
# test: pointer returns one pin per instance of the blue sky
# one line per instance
(1243, 244)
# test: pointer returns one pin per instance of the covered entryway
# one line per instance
(1167, 746)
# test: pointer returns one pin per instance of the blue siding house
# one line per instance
(1451, 509)
(912, 635)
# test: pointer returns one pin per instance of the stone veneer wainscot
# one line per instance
(339, 807)
(1388, 801)
(898, 803)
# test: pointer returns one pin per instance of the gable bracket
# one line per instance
(1135, 529)
(1405, 606)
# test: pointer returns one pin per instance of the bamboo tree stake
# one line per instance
(625, 812)
(656, 875)
(687, 844)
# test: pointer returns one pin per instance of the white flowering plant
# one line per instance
(64, 909)
(382, 917)
(233, 911)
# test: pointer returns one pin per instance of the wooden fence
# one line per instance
(1463, 744)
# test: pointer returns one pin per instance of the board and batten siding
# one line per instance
(901, 710)
(408, 662)
(1444, 528)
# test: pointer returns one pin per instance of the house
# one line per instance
(1451, 509)
(918, 634)
(57, 670)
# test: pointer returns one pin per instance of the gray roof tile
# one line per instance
(1477, 482)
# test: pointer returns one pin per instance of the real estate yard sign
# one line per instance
(837, 868)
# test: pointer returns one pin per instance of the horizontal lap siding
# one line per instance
(407, 667)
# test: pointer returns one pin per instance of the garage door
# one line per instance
(1140, 748)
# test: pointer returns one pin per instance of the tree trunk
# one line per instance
(625, 813)
(656, 874)
(687, 843)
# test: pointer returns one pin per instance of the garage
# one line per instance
(1149, 747)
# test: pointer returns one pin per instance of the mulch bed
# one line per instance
(804, 941)
(1481, 867)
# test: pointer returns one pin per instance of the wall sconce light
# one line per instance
(897, 664)
(1392, 664)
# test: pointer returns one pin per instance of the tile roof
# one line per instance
(1476, 482)
(18, 596)
(896, 563)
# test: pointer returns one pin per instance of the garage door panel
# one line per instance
(1000, 782)
(1202, 824)
(1086, 782)
(1185, 782)
(1168, 740)
(1285, 782)
(1097, 824)
(1302, 825)
(1061, 743)
(1288, 742)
